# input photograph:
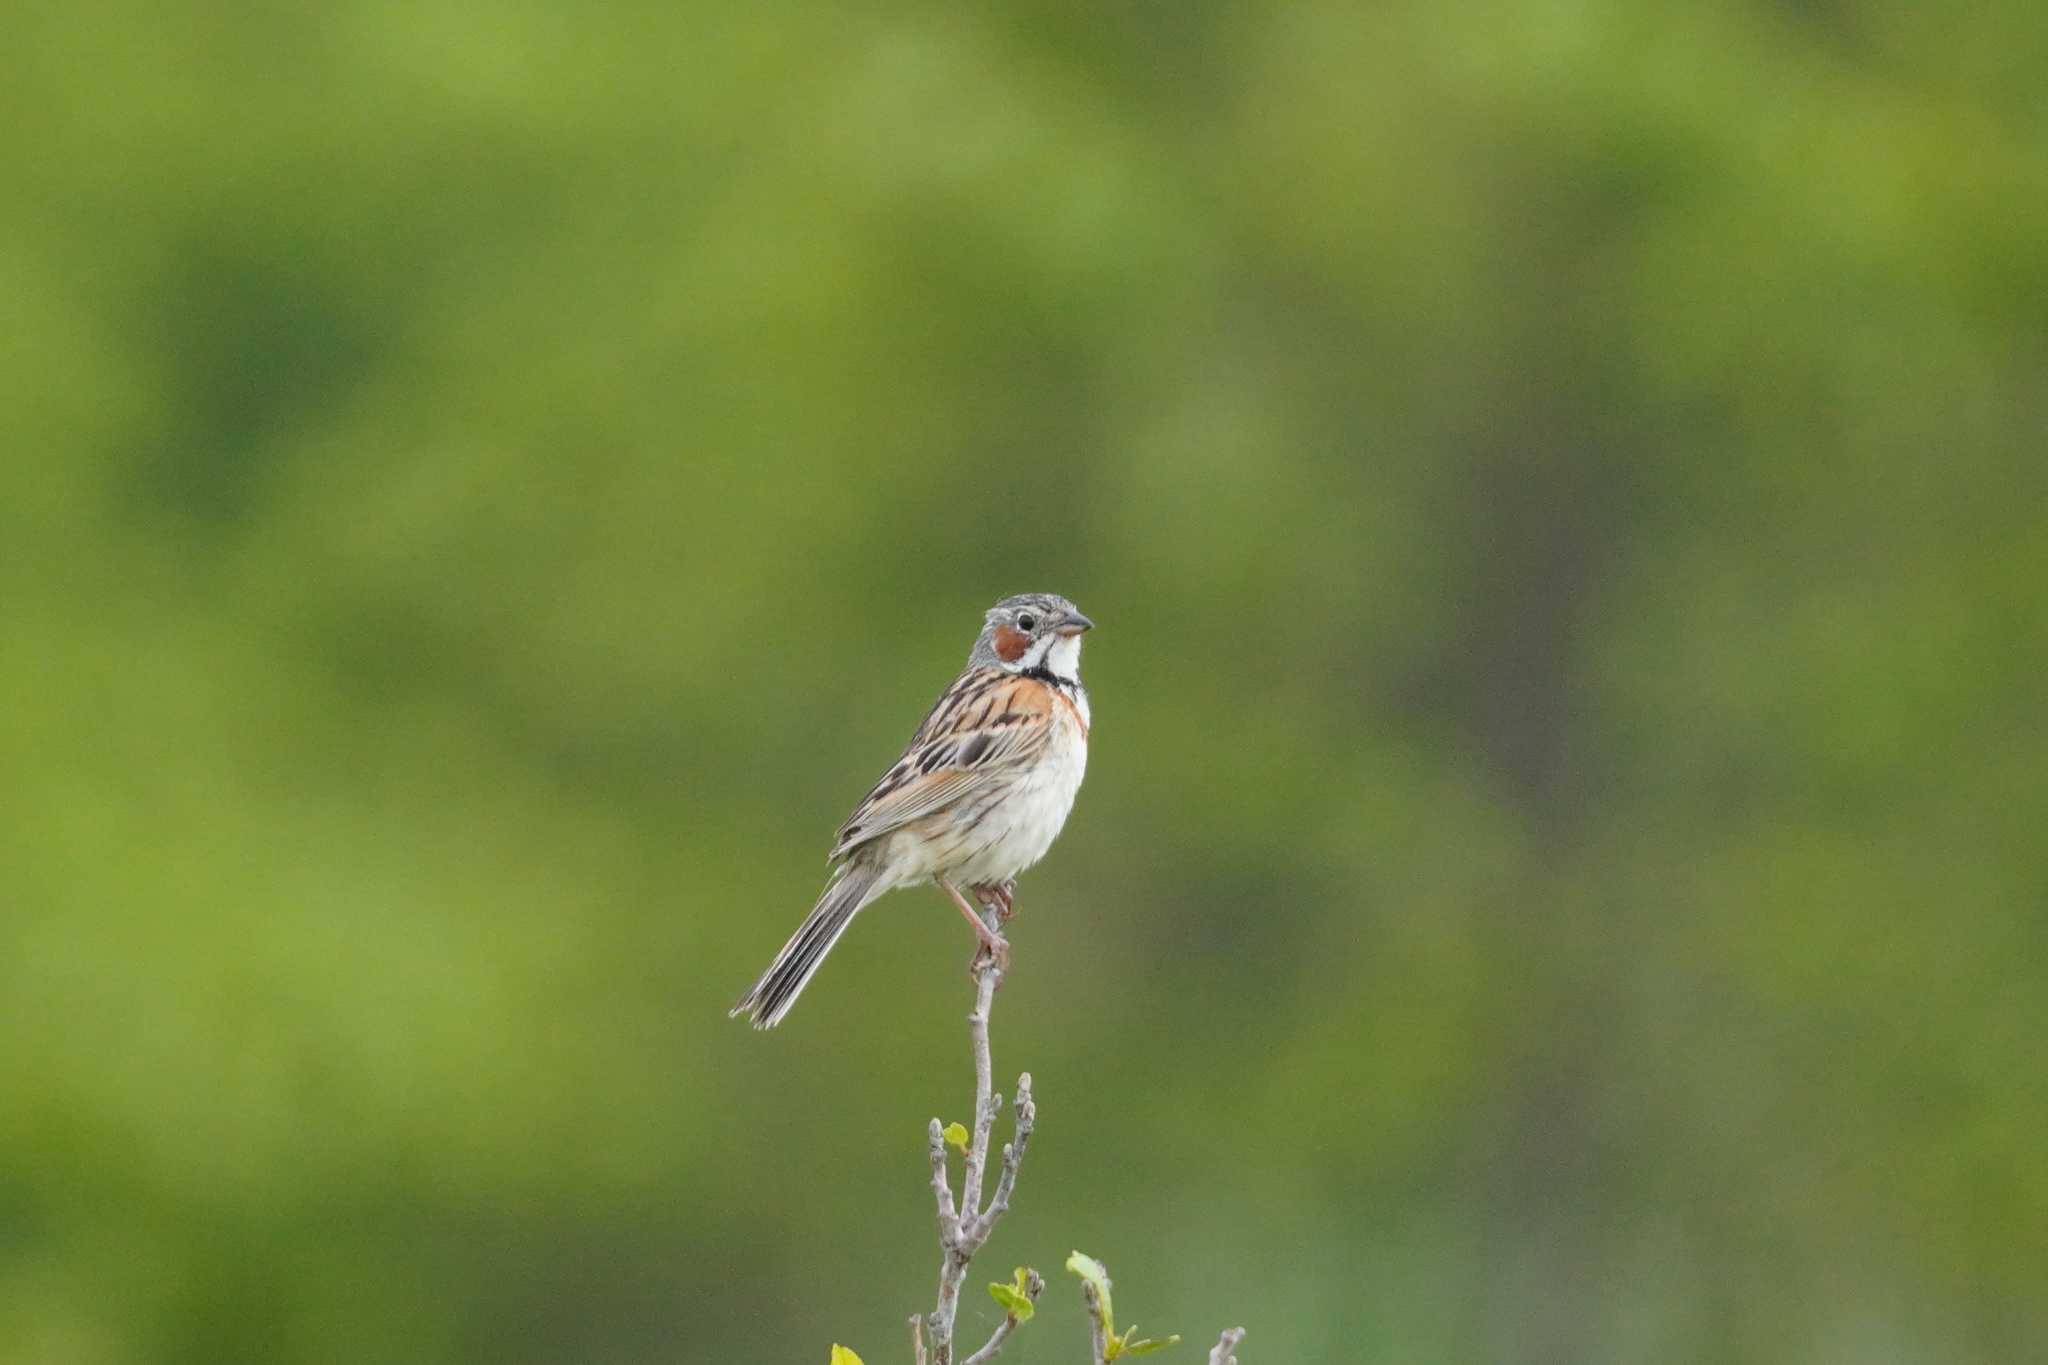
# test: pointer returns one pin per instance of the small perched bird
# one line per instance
(977, 797)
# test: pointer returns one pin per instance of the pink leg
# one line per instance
(993, 944)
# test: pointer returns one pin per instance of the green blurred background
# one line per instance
(486, 487)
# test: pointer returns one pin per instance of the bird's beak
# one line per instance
(1074, 624)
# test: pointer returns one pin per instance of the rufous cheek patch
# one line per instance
(1011, 644)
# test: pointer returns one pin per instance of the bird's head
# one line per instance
(1032, 631)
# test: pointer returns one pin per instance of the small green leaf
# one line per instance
(1015, 1297)
(1013, 1301)
(1092, 1271)
(842, 1356)
(956, 1134)
(1015, 1304)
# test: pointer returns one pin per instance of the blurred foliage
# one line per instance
(487, 487)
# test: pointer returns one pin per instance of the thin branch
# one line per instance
(942, 1193)
(1098, 1325)
(917, 1339)
(955, 1251)
(965, 1227)
(987, 978)
(1013, 1157)
(1220, 1353)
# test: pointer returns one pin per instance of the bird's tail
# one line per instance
(786, 977)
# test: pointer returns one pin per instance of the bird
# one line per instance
(978, 795)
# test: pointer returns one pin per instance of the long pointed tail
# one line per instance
(786, 977)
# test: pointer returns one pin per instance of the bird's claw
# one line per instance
(992, 951)
(1000, 897)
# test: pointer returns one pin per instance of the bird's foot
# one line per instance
(1000, 897)
(993, 951)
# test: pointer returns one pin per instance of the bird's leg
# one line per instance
(993, 944)
(999, 897)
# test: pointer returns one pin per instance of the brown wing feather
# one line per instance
(984, 726)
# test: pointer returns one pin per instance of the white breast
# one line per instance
(1031, 815)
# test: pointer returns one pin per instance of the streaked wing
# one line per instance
(987, 725)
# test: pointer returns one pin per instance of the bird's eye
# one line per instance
(1027, 622)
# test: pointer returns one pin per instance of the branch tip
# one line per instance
(1220, 1353)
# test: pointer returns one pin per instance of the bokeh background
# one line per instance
(486, 487)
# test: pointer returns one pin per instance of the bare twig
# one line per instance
(1098, 1323)
(917, 1339)
(1220, 1353)
(942, 1193)
(987, 978)
(1013, 1157)
(965, 1227)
